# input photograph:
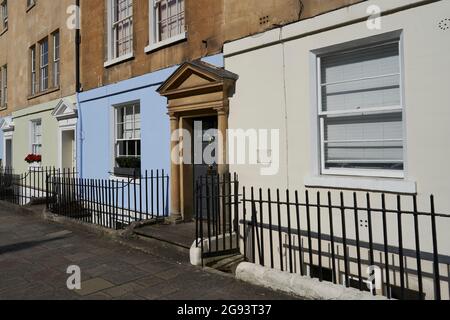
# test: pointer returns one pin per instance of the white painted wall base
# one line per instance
(297, 285)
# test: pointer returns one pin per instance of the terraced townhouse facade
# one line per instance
(157, 66)
(37, 51)
(360, 104)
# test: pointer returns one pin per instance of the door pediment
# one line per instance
(194, 77)
(7, 124)
(65, 109)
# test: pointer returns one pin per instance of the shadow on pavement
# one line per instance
(26, 245)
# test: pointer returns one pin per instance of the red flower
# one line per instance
(33, 158)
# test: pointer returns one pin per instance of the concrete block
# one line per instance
(297, 285)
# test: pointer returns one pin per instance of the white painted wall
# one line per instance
(276, 89)
(68, 148)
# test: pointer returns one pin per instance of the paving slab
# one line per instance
(93, 286)
(35, 255)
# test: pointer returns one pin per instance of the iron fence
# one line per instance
(29, 187)
(110, 203)
(375, 242)
(216, 201)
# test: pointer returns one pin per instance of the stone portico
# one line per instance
(195, 90)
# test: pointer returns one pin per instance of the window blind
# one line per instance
(361, 115)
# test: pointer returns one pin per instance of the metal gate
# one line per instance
(216, 207)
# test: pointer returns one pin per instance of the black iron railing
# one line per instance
(216, 204)
(110, 203)
(375, 242)
(29, 187)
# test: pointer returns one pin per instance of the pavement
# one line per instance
(35, 255)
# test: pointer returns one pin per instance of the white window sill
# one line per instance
(123, 179)
(118, 60)
(366, 184)
(157, 45)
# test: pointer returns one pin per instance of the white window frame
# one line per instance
(320, 114)
(112, 55)
(56, 59)
(33, 135)
(4, 7)
(30, 4)
(4, 87)
(117, 109)
(33, 70)
(155, 42)
(44, 68)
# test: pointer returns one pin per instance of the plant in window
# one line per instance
(129, 162)
(128, 166)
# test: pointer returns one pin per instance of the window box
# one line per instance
(127, 172)
(128, 167)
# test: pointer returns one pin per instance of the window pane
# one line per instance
(122, 27)
(138, 148)
(362, 63)
(373, 93)
(129, 114)
(137, 111)
(171, 18)
(121, 148)
(357, 80)
(131, 148)
(120, 131)
(128, 130)
(370, 142)
(44, 53)
(361, 79)
(121, 115)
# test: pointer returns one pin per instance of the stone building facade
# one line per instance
(38, 48)
(128, 56)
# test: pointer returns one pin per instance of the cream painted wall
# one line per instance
(22, 135)
(262, 90)
(269, 95)
(67, 148)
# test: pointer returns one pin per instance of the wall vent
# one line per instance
(264, 20)
(444, 24)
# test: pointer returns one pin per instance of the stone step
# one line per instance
(227, 264)
(181, 235)
(145, 235)
(159, 248)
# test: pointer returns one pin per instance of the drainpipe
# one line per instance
(77, 47)
(79, 131)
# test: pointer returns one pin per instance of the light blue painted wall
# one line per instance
(95, 126)
(216, 60)
(95, 152)
(95, 132)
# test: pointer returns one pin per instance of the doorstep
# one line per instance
(181, 235)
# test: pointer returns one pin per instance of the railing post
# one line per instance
(344, 239)
(46, 192)
(437, 278)
(386, 246)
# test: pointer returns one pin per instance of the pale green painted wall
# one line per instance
(22, 135)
